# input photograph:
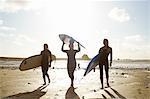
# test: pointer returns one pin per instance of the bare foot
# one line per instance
(44, 84)
(102, 87)
(108, 85)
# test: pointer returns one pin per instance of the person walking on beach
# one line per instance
(71, 62)
(45, 62)
(103, 61)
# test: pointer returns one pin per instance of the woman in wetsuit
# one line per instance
(71, 63)
(103, 62)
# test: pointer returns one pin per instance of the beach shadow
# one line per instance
(36, 94)
(71, 94)
(104, 97)
(111, 95)
(118, 94)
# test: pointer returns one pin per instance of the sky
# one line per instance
(25, 25)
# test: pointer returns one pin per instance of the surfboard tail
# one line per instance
(84, 75)
(82, 46)
(79, 43)
(88, 71)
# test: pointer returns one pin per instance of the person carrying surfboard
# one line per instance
(71, 62)
(45, 62)
(103, 60)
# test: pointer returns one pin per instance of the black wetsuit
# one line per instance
(71, 63)
(104, 52)
(45, 63)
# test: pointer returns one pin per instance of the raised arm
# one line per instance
(78, 47)
(62, 48)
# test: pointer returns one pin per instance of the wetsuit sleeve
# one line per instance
(41, 52)
(78, 47)
(50, 55)
(99, 53)
(110, 54)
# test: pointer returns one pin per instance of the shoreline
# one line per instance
(97, 68)
(115, 60)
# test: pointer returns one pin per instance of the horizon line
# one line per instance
(62, 58)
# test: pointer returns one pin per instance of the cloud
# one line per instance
(23, 40)
(6, 28)
(1, 22)
(16, 5)
(26, 38)
(134, 37)
(6, 35)
(132, 46)
(119, 14)
(134, 43)
(17, 39)
(2, 34)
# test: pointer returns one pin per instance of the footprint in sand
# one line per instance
(139, 91)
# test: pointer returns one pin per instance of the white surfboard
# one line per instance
(67, 39)
(93, 63)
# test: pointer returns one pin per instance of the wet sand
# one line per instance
(125, 84)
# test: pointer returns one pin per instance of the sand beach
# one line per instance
(125, 84)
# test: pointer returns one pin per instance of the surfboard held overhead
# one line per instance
(67, 39)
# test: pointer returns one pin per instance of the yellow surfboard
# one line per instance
(32, 62)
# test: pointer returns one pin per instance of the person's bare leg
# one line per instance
(101, 75)
(72, 78)
(107, 74)
(43, 72)
(70, 73)
(44, 79)
(48, 77)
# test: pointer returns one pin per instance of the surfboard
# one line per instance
(67, 39)
(92, 64)
(32, 62)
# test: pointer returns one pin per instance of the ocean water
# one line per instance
(62, 64)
